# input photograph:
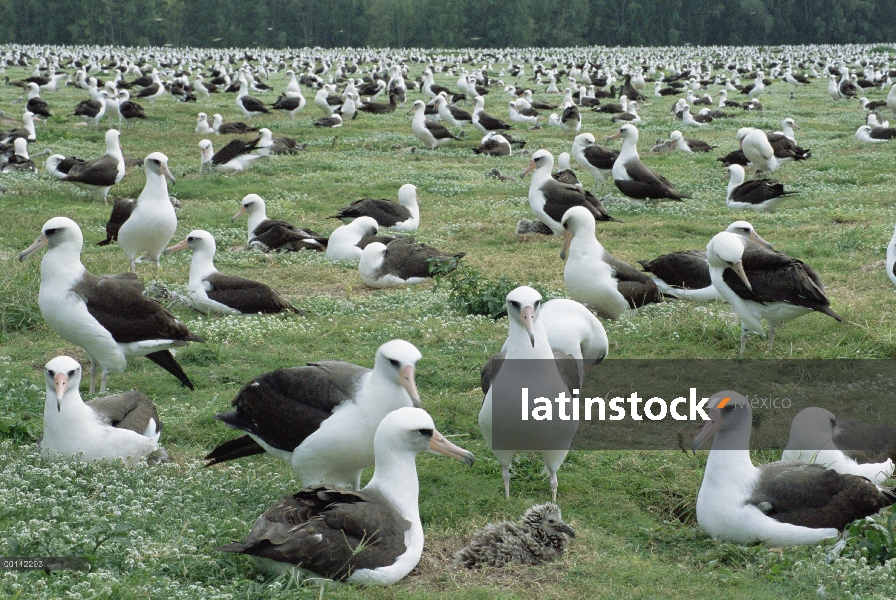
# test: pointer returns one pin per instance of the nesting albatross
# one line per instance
(402, 262)
(275, 234)
(633, 177)
(401, 216)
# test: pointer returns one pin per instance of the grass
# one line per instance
(152, 532)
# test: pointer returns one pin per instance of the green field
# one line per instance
(152, 532)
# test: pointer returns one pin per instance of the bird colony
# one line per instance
(264, 227)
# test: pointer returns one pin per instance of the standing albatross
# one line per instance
(761, 283)
(549, 199)
(119, 426)
(373, 536)
(321, 418)
(109, 317)
(152, 222)
(432, 134)
(633, 177)
(213, 292)
(777, 504)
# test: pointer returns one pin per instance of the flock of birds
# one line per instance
(331, 419)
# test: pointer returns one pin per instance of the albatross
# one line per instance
(763, 284)
(783, 503)
(100, 174)
(235, 157)
(321, 418)
(213, 292)
(402, 262)
(152, 222)
(635, 179)
(275, 234)
(348, 242)
(119, 426)
(762, 195)
(401, 216)
(109, 317)
(432, 134)
(549, 199)
(597, 159)
(373, 536)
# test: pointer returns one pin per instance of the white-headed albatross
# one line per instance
(348, 242)
(763, 195)
(633, 177)
(494, 144)
(685, 274)
(119, 426)
(777, 504)
(109, 317)
(549, 199)
(275, 234)
(152, 223)
(527, 339)
(232, 158)
(401, 216)
(597, 159)
(761, 283)
(402, 262)
(842, 444)
(373, 536)
(100, 174)
(321, 418)
(213, 292)
(432, 134)
(595, 277)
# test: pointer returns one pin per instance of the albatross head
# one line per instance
(206, 150)
(627, 132)
(583, 140)
(726, 411)
(407, 195)
(745, 228)
(251, 203)
(56, 232)
(62, 373)
(198, 241)
(726, 251)
(157, 164)
(412, 430)
(523, 305)
(398, 359)
(576, 219)
(542, 159)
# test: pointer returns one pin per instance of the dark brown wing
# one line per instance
(757, 191)
(278, 234)
(439, 131)
(231, 151)
(865, 443)
(329, 531)
(687, 269)
(236, 127)
(253, 104)
(646, 183)
(285, 406)
(491, 123)
(737, 157)
(245, 295)
(636, 287)
(121, 212)
(370, 239)
(809, 495)
(600, 156)
(385, 212)
(566, 176)
(116, 303)
(130, 410)
(406, 258)
(100, 171)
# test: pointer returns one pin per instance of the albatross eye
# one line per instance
(515, 304)
(50, 232)
(394, 363)
(51, 373)
(72, 373)
(425, 432)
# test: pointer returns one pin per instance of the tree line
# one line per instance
(444, 23)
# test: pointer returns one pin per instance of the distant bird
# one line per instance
(109, 317)
(152, 222)
(635, 179)
(19, 160)
(213, 292)
(842, 444)
(494, 144)
(401, 216)
(483, 121)
(432, 134)
(35, 103)
(271, 146)
(891, 258)
(402, 262)
(348, 242)
(247, 104)
(100, 174)
(549, 199)
(123, 426)
(571, 119)
(290, 103)
(26, 131)
(325, 102)
(595, 277)
(757, 194)
(689, 145)
(777, 504)
(373, 536)
(539, 536)
(235, 157)
(333, 121)
(597, 159)
(274, 234)
(757, 148)
(763, 284)
(129, 111)
(875, 135)
(453, 115)
(735, 157)
(58, 166)
(237, 127)
(202, 124)
(564, 173)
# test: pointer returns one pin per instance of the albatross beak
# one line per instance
(616, 135)
(567, 240)
(564, 528)
(167, 173)
(238, 214)
(738, 268)
(39, 243)
(181, 245)
(709, 429)
(439, 445)
(527, 314)
(61, 381)
(406, 378)
(528, 169)
(756, 238)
